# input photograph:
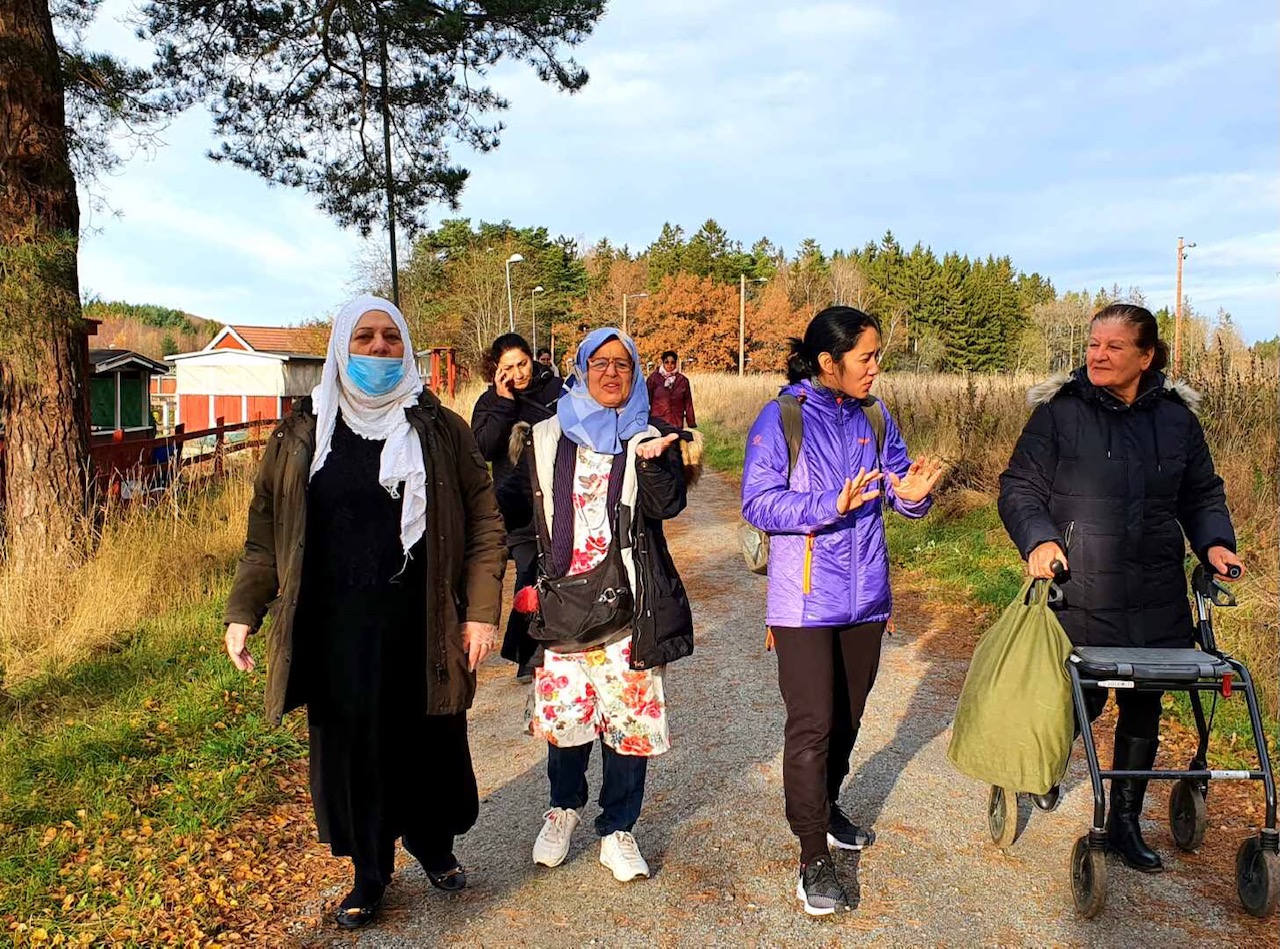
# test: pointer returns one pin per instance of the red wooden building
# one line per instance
(247, 373)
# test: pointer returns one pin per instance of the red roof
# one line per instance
(299, 340)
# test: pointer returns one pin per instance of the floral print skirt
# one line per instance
(578, 696)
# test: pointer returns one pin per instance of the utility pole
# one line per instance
(1177, 309)
(533, 304)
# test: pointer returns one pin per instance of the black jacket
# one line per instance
(1116, 486)
(662, 631)
(492, 421)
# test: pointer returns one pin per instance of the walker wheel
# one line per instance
(1258, 878)
(1088, 878)
(1002, 817)
(1188, 815)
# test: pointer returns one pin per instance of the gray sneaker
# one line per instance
(819, 889)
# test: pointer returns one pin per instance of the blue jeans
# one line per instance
(621, 791)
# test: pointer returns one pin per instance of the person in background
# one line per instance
(375, 532)
(670, 397)
(1110, 472)
(518, 395)
(828, 599)
(546, 360)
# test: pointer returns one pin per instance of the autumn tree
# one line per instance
(771, 322)
(696, 316)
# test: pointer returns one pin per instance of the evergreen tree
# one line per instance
(666, 254)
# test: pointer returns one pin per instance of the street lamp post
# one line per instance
(533, 304)
(625, 297)
(742, 319)
(511, 310)
(1177, 307)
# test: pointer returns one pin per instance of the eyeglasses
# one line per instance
(622, 367)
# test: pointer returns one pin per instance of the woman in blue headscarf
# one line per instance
(603, 481)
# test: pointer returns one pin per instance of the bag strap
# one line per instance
(792, 429)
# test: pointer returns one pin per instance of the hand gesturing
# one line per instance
(919, 480)
(654, 447)
(855, 493)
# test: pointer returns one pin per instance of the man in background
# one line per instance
(545, 359)
(670, 397)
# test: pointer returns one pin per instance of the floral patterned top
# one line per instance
(592, 532)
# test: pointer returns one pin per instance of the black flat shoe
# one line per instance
(451, 880)
(359, 907)
(356, 917)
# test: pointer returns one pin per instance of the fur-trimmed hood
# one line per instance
(1044, 392)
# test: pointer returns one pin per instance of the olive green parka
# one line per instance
(465, 554)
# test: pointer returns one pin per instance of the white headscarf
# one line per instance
(379, 417)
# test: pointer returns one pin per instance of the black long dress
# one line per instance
(381, 768)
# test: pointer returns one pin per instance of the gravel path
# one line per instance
(713, 828)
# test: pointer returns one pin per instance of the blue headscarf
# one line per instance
(588, 423)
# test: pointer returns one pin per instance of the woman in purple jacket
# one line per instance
(829, 595)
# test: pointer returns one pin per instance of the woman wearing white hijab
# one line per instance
(375, 533)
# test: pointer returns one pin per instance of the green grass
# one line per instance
(723, 449)
(108, 772)
(968, 554)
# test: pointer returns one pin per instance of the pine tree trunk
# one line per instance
(42, 370)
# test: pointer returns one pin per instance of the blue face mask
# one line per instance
(374, 375)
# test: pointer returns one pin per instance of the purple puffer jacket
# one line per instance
(824, 569)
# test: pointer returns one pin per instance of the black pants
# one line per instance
(1139, 711)
(517, 646)
(621, 790)
(825, 674)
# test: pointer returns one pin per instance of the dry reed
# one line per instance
(176, 550)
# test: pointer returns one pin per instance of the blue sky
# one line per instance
(1080, 139)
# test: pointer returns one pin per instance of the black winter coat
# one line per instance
(492, 421)
(1116, 486)
(662, 631)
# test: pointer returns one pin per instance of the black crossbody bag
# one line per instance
(588, 608)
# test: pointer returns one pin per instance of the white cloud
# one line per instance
(825, 21)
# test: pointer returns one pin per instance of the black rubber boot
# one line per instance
(1123, 832)
(1049, 800)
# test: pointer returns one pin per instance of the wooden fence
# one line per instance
(126, 468)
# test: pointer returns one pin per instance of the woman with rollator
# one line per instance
(1110, 472)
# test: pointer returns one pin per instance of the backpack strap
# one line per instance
(792, 428)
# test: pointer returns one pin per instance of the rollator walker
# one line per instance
(1204, 668)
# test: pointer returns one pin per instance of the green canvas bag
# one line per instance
(1014, 723)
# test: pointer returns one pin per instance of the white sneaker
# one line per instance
(552, 845)
(620, 854)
